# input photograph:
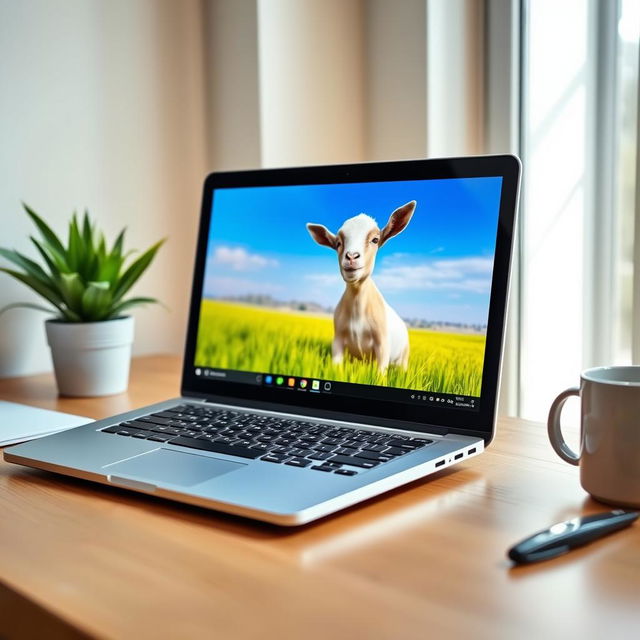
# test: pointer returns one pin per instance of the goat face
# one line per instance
(358, 240)
(357, 244)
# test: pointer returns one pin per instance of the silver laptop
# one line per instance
(345, 338)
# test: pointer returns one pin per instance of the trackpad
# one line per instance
(173, 467)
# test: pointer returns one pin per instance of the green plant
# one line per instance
(84, 281)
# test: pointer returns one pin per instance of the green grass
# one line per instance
(235, 336)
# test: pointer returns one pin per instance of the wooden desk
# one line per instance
(425, 561)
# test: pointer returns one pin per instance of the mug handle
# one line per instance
(554, 429)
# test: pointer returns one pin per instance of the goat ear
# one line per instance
(322, 235)
(398, 220)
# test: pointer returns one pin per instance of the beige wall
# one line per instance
(232, 84)
(102, 106)
(312, 76)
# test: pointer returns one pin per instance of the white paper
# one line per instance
(19, 422)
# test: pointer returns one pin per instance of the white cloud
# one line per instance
(471, 274)
(230, 286)
(239, 259)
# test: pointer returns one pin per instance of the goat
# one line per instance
(364, 324)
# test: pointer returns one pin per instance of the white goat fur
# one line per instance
(364, 324)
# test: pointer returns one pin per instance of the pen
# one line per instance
(562, 537)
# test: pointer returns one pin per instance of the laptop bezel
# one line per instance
(419, 417)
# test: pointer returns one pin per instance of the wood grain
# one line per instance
(427, 560)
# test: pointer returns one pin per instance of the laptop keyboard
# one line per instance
(325, 448)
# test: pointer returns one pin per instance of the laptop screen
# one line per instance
(376, 290)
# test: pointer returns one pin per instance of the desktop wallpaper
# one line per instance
(270, 290)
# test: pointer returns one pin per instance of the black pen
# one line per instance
(565, 536)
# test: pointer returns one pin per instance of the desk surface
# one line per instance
(427, 560)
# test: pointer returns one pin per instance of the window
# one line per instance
(579, 145)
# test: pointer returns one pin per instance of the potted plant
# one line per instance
(85, 284)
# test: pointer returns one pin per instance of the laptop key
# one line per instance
(114, 429)
(319, 456)
(346, 451)
(135, 424)
(158, 437)
(408, 444)
(328, 448)
(346, 472)
(371, 455)
(217, 447)
(355, 462)
(155, 420)
(396, 451)
(303, 453)
(298, 462)
(378, 448)
(319, 467)
(273, 458)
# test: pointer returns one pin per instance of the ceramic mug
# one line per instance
(609, 456)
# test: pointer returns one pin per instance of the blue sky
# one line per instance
(438, 268)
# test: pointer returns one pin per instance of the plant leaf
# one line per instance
(118, 244)
(128, 304)
(72, 289)
(55, 272)
(87, 232)
(46, 292)
(96, 301)
(27, 305)
(45, 230)
(135, 270)
(75, 249)
(110, 269)
(31, 267)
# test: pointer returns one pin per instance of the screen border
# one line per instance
(383, 412)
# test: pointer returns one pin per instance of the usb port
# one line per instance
(471, 451)
(458, 456)
(439, 464)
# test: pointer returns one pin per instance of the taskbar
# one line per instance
(299, 384)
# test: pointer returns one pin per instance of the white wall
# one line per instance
(102, 106)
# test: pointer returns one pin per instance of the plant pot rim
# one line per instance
(66, 322)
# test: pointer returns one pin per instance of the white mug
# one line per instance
(609, 456)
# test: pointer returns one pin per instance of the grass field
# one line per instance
(235, 336)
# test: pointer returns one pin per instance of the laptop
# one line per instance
(344, 338)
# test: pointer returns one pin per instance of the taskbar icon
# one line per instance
(294, 383)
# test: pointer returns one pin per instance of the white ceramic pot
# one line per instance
(91, 358)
